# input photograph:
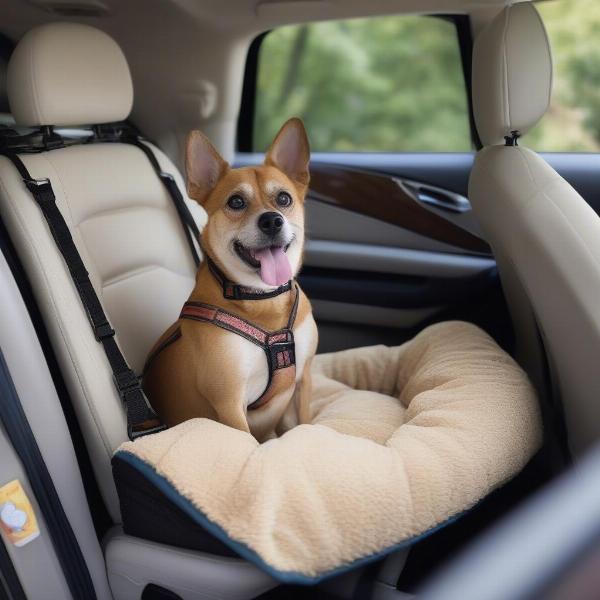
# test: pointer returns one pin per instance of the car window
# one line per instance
(385, 84)
(572, 122)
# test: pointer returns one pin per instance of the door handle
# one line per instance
(434, 196)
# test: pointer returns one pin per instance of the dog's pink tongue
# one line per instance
(275, 267)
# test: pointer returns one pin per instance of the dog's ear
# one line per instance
(290, 151)
(204, 166)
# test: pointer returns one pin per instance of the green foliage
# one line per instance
(573, 120)
(394, 84)
(381, 84)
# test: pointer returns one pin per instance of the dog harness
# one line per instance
(278, 345)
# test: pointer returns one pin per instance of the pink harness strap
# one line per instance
(278, 345)
(211, 314)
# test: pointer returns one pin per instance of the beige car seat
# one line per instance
(120, 215)
(130, 237)
(545, 237)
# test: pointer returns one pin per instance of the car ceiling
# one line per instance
(187, 57)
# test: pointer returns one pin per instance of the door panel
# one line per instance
(391, 290)
(327, 222)
(401, 202)
(398, 260)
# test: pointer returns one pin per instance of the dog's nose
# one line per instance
(270, 223)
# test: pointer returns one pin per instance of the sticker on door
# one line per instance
(17, 519)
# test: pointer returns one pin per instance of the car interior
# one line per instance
(411, 221)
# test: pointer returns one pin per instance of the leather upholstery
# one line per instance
(129, 236)
(68, 74)
(132, 243)
(512, 74)
(545, 237)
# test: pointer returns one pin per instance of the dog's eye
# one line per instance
(284, 199)
(236, 203)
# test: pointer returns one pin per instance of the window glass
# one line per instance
(385, 84)
(572, 122)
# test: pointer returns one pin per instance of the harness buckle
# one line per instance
(232, 292)
(282, 354)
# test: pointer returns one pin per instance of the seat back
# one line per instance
(545, 237)
(120, 215)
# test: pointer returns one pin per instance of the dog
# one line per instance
(241, 350)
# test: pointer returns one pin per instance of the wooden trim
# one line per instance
(379, 196)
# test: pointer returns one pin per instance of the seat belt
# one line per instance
(185, 216)
(10, 584)
(124, 134)
(141, 418)
(69, 554)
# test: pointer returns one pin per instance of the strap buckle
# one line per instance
(34, 184)
(141, 418)
(102, 331)
(282, 354)
(126, 382)
(165, 175)
(134, 434)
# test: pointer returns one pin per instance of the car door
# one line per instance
(392, 244)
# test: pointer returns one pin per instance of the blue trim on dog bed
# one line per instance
(167, 488)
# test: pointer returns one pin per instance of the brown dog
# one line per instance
(240, 352)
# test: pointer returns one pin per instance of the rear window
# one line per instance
(384, 84)
(572, 122)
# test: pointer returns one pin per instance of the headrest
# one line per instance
(512, 74)
(68, 74)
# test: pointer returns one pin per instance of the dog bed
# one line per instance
(402, 441)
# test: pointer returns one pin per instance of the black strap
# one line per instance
(234, 291)
(185, 216)
(23, 440)
(122, 133)
(10, 584)
(294, 310)
(513, 138)
(141, 419)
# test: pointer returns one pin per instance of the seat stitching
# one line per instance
(500, 182)
(549, 50)
(506, 105)
(139, 271)
(33, 81)
(542, 191)
(76, 225)
(541, 186)
(570, 225)
(528, 166)
(118, 209)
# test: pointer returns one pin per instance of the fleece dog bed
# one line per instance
(402, 440)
